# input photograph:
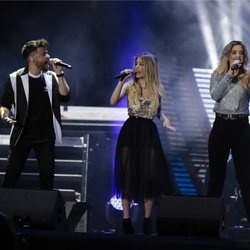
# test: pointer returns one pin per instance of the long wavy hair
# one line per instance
(152, 80)
(224, 64)
(244, 79)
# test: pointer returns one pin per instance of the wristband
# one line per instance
(61, 74)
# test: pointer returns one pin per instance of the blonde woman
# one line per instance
(230, 88)
(140, 166)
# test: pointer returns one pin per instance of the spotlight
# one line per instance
(114, 213)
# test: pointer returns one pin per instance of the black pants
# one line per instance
(45, 154)
(229, 135)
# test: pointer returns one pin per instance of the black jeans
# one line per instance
(45, 154)
(229, 135)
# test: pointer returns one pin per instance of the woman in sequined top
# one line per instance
(230, 89)
(140, 169)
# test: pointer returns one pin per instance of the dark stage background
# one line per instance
(99, 39)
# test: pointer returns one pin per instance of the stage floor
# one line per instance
(38, 239)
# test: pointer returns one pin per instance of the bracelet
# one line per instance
(61, 74)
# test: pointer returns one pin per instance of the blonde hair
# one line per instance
(152, 80)
(224, 65)
(244, 79)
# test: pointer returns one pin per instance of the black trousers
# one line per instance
(45, 154)
(226, 136)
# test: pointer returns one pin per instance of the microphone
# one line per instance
(63, 64)
(236, 64)
(123, 74)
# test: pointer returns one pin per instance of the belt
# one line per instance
(231, 116)
(138, 117)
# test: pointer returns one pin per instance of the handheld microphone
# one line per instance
(63, 64)
(123, 74)
(236, 64)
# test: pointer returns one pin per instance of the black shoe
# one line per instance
(127, 226)
(147, 226)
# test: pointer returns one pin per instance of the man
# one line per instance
(31, 104)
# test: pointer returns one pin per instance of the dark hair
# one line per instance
(32, 45)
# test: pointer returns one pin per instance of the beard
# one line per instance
(45, 67)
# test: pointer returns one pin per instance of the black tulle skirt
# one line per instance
(140, 169)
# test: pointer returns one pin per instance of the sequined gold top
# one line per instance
(141, 107)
